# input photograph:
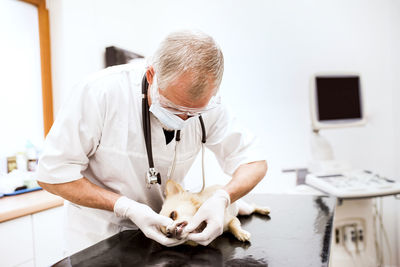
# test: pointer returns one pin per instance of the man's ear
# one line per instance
(172, 188)
(150, 75)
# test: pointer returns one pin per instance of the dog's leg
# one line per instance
(236, 229)
(247, 209)
(261, 210)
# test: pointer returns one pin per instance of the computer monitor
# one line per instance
(336, 101)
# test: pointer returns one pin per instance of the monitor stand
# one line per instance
(323, 161)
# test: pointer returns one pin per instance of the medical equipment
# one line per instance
(335, 102)
(354, 184)
(152, 175)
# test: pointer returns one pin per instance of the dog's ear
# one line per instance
(172, 188)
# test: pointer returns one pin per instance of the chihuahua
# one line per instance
(181, 206)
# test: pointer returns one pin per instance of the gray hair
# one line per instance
(191, 52)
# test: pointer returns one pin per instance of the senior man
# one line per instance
(95, 154)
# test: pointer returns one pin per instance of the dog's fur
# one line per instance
(181, 206)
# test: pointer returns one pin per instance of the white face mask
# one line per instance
(166, 118)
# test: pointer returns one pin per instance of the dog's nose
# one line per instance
(169, 234)
(170, 230)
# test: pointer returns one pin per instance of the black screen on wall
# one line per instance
(338, 98)
(117, 56)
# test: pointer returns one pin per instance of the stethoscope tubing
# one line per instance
(147, 137)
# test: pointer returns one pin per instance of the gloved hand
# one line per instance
(212, 211)
(146, 219)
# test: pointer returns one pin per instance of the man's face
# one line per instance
(178, 93)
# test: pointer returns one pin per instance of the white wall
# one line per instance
(396, 98)
(271, 49)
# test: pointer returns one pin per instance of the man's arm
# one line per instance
(245, 178)
(83, 192)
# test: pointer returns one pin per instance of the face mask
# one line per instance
(166, 118)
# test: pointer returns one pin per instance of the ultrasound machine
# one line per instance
(336, 101)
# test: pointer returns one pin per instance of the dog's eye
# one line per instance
(173, 215)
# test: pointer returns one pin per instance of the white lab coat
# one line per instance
(98, 135)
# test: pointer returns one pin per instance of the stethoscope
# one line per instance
(152, 175)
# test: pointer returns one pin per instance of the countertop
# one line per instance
(12, 207)
(297, 233)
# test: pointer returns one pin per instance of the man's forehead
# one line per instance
(178, 91)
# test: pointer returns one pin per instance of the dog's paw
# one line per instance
(243, 235)
(262, 210)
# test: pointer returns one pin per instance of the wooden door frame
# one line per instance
(45, 60)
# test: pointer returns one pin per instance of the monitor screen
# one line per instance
(338, 98)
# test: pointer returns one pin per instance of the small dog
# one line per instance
(181, 206)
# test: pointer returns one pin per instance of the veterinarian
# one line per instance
(95, 154)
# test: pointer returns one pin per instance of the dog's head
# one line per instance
(180, 206)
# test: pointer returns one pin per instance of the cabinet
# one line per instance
(33, 240)
(16, 242)
(48, 236)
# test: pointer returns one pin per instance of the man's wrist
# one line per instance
(223, 194)
(121, 206)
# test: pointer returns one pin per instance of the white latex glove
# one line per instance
(146, 219)
(212, 211)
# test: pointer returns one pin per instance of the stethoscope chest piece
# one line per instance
(152, 177)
